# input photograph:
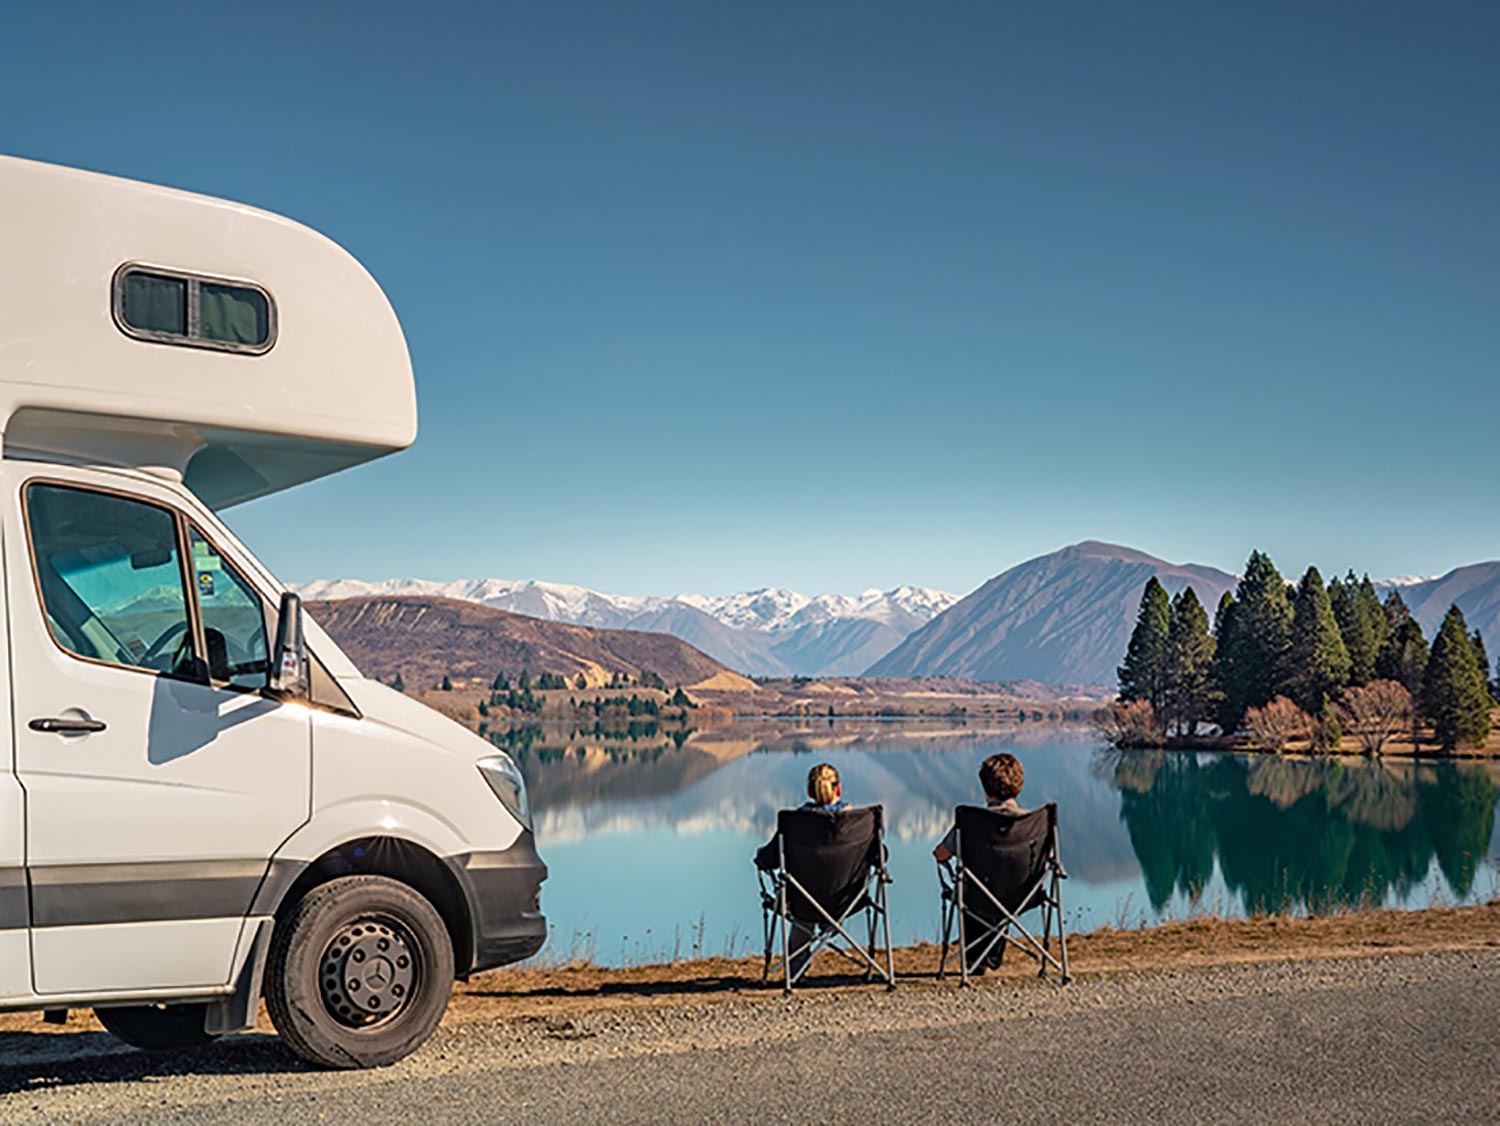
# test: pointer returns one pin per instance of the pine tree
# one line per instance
(1369, 602)
(1143, 676)
(1318, 664)
(1395, 610)
(1404, 658)
(524, 684)
(500, 683)
(1454, 695)
(447, 685)
(1483, 658)
(1225, 646)
(398, 683)
(1262, 636)
(1356, 627)
(581, 683)
(1190, 688)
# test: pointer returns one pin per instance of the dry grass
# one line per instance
(531, 994)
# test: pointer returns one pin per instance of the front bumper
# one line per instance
(503, 889)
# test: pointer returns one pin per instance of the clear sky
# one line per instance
(706, 296)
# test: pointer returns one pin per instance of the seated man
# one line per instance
(1002, 778)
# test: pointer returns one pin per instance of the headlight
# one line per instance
(505, 779)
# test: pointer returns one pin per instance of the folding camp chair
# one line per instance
(1003, 865)
(830, 867)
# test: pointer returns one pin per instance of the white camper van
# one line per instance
(204, 802)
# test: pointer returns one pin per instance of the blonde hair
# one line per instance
(823, 784)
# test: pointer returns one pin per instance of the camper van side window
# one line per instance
(110, 578)
(234, 618)
(168, 307)
(155, 304)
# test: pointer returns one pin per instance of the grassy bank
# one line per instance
(544, 994)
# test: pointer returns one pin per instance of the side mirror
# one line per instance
(289, 661)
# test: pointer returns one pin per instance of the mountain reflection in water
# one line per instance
(648, 832)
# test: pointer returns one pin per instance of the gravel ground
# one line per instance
(1410, 1037)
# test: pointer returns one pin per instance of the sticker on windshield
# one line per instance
(205, 584)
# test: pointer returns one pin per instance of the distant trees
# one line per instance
(397, 682)
(1317, 661)
(1191, 692)
(1143, 676)
(446, 685)
(1310, 651)
(1362, 624)
(1259, 637)
(1455, 693)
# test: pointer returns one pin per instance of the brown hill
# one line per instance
(426, 639)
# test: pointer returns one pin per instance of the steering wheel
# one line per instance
(155, 649)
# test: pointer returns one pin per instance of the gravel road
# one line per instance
(1414, 1037)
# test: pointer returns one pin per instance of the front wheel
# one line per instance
(157, 1028)
(359, 973)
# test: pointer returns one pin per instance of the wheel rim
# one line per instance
(368, 973)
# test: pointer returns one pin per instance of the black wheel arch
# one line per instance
(392, 857)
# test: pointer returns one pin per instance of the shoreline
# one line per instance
(509, 996)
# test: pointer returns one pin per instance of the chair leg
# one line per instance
(1046, 938)
(870, 919)
(890, 957)
(1062, 937)
(786, 949)
(947, 932)
(963, 938)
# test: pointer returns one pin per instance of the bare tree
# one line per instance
(1129, 724)
(1277, 724)
(1376, 712)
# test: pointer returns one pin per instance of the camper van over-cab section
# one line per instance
(206, 803)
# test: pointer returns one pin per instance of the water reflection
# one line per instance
(649, 830)
(1298, 833)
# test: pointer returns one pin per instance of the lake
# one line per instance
(649, 835)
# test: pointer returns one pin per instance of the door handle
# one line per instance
(66, 725)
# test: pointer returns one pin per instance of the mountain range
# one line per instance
(769, 632)
(1062, 618)
(426, 639)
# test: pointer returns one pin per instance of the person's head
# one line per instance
(823, 784)
(1002, 777)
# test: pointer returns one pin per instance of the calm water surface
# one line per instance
(649, 838)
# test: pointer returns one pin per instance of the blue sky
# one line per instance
(706, 296)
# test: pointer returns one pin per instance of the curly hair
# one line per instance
(1002, 777)
(823, 784)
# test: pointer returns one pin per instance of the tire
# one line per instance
(158, 1028)
(351, 945)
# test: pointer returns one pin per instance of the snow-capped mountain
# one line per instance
(768, 632)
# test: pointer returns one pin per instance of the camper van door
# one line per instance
(15, 947)
(154, 796)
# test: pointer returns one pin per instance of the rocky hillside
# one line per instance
(425, 639)
(1063, 618)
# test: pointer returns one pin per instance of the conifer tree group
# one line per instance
(1305, 645)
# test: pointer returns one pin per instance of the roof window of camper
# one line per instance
(174, 308)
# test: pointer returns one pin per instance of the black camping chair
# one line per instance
(828, 868)
(1003, 865)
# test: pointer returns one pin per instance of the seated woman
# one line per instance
(1002, 779)
(824, 792)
